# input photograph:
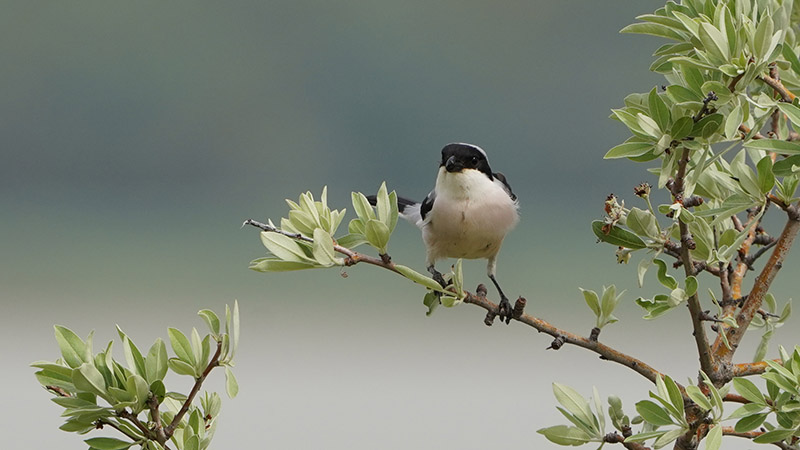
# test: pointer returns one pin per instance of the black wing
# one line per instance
(402, 202)
(502, 178)
(427, 204)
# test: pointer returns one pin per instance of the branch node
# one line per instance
(594, 334)
(519, 307)
(557, 343)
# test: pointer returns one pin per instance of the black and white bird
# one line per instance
(467, 214)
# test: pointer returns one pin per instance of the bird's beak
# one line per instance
(453, 165)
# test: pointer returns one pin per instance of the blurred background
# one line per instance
(137, 136)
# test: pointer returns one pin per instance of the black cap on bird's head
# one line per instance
(458, 157)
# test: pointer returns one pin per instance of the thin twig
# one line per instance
(754, 368)
(601, 349)
(103, 422)
(703, 349)
(195, 389)
(131, 417)
(616, 438)
(779, 88)
(760, 287)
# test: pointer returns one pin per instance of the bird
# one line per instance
(467, 215)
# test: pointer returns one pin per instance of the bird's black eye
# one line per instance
(474, 160)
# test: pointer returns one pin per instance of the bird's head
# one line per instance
(459, 157)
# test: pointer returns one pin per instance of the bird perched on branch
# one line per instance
(467, 214)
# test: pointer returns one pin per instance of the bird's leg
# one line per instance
(505, 309)
(437, 276)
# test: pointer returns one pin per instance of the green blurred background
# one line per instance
(139, 135)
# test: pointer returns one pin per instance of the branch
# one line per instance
(103, 422)
(730, 431)
(760, 287)
(155, 416)
(195, 389)
(779, 88)
(565, 337)
(703, 350)
(616, 438)
(125, 414)
(754, 368)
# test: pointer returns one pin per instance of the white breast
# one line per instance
(470, 216)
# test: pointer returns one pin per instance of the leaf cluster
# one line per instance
(96, 390)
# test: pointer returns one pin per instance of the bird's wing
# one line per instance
(427, 205)
(506, 186)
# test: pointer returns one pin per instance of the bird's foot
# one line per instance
(437, 277)
(504, 310)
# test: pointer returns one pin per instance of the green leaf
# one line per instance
(575, 404)
(668, 437)
(362, 207)
(774, 436)
(642, 222)
(106, 443)
(748, 390)
(714, 438)
(73, 349)
(763, 37)
(419, 278)
(683, 126)
(565, 435)
(682, 94)
(664, 278)
(87, 378)
(775, 145)
(708, 125)
(698, 397)
(617, 236)
(745, 410)
(383, 205)
(714, 42)
(733, 121)
(431, 300)
(377, 234)
(750, 422)
(641, 437)
(628, 150)
(691, 285)
(155, 365)
(653, 29)
(279, 265)
(211, 319)
(674, 393)
(322, 249)
(592, 300)
(653, 414)
(659, 110)
(766, 179)
(181, 346)
(284, 247)
(181, 367)
(231, 385)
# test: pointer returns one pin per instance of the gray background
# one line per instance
(137, 136)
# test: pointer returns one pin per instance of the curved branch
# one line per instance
(563, 337)
(754, 368)
(760, 288)
(169, 429)
(603, 350)
(778, 86)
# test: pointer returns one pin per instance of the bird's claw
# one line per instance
(505, 311)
